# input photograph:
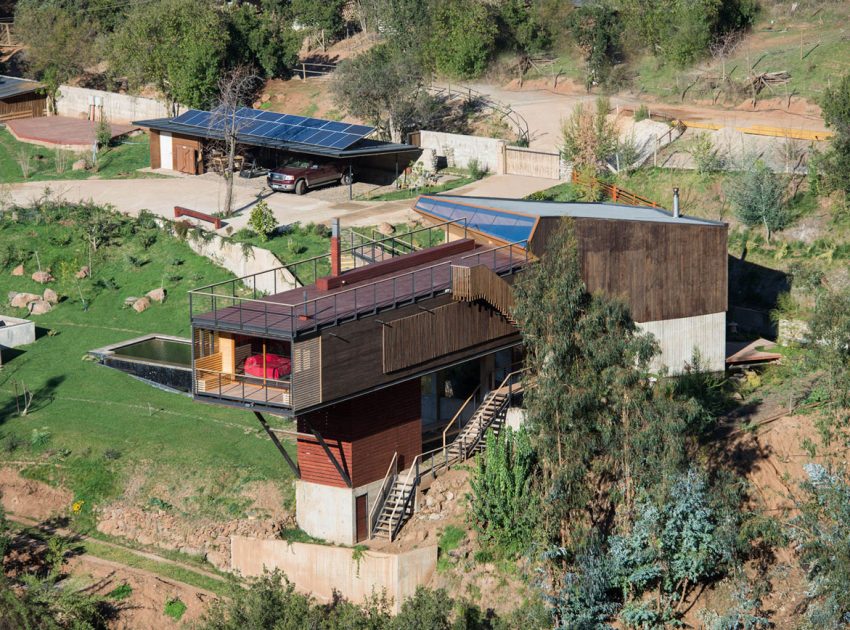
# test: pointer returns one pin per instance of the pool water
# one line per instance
(158, 350)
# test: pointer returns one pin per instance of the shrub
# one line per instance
(707, 159)
(39, 438)
(758, 196)
(103, 133)
(504, 507)
(641, 113)
(597, 31)
(476, 169)
(262, 220)
(175, 608)
(181, 229)
(464, 37)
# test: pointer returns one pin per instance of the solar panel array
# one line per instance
(328, 134)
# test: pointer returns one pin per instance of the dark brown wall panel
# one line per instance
(661, 270)
(30, 105)
(353, 356)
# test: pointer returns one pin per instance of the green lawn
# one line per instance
(119, 162)
(299, 243)
(94, 429)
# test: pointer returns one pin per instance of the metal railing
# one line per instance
(458, 414)
(386, 486)
(517, 253)
(310, 314)
(226, 385)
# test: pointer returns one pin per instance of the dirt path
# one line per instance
(545, 108)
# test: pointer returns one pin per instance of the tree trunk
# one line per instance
(228, 175)
(395, 132)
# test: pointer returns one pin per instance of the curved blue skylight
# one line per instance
(505, 226)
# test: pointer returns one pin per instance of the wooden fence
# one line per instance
(532, 162)
(7, 34)
(614, 193)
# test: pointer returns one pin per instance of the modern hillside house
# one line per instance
(396, 363)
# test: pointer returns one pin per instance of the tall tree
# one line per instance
(57, 43)
(235, 90)
(178, 46)
(597, 30)
(386, 89)
(588, 137)
(263, 39)
(324, 19)
(464, 38)
(524, 30)
(834, 166)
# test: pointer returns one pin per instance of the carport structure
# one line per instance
(184, 143)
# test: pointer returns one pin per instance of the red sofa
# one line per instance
(277, 367)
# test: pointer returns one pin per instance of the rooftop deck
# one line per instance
(376, 288)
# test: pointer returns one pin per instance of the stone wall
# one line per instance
(320, 570)
(488, 151)
(75, 103)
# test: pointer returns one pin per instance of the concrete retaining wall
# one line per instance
(679, 337)
(233, 257)
(488, 151)
(75, 102)
(15, 332)
(321, 569)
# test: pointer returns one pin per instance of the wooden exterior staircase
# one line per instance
(396, 501)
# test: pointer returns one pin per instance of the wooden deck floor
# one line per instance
(274, 316)
(256, 393)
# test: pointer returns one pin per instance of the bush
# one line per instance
(476, 169)
(262, 220)
(597, 30)
(175, 608)
(758, 196)
(464, 38)
(707, 159)
(641, 113)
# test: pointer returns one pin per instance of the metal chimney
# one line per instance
(336, 262)
(676, 202)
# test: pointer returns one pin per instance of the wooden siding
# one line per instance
(661, 270)
(187, 154)
(307, 373)
(353, 355)
(155, 156)
(32, 105)
(363, 434)
(441, 331)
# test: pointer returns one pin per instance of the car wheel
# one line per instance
(300, 187)
(346, 179)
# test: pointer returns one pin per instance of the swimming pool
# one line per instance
(160, 359)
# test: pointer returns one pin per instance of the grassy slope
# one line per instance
(120, 162)
(202, 454)
(772, 45)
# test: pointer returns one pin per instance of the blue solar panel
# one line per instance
(336, 126)
(282, 127)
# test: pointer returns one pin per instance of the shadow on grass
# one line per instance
(25, 399)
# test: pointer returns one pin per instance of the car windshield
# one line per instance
(296, 163)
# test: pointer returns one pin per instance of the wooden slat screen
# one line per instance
(443, 330)
(482, 283)
(307, 373)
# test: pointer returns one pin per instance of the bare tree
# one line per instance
(722, 47)
(235, 89)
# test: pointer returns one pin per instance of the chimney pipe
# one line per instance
(336, 262)
(676, 202)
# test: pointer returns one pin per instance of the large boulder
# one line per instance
(42, 277)
(40, 307)
(386, 229)
(157, 295)
(83, 273)
(79, 165)
(18, 271)
(50, 296)
(20, 300)
(141, 304)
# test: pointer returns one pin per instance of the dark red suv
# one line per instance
(299, 174)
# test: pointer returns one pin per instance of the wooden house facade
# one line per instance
(380, 363)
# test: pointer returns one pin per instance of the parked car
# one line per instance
(299, 174)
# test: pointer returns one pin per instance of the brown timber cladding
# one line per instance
(155, 156)
(661, 270)
(307, 373)
(363, 434)
(440, 331)
(353, 355)
(30, 105)
(482, 283)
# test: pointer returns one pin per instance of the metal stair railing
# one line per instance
(383, 493)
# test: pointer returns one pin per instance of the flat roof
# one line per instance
(13, 86)
(363, 147)
(583, 210)
(309, 308)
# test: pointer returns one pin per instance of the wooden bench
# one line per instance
(179, 211)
